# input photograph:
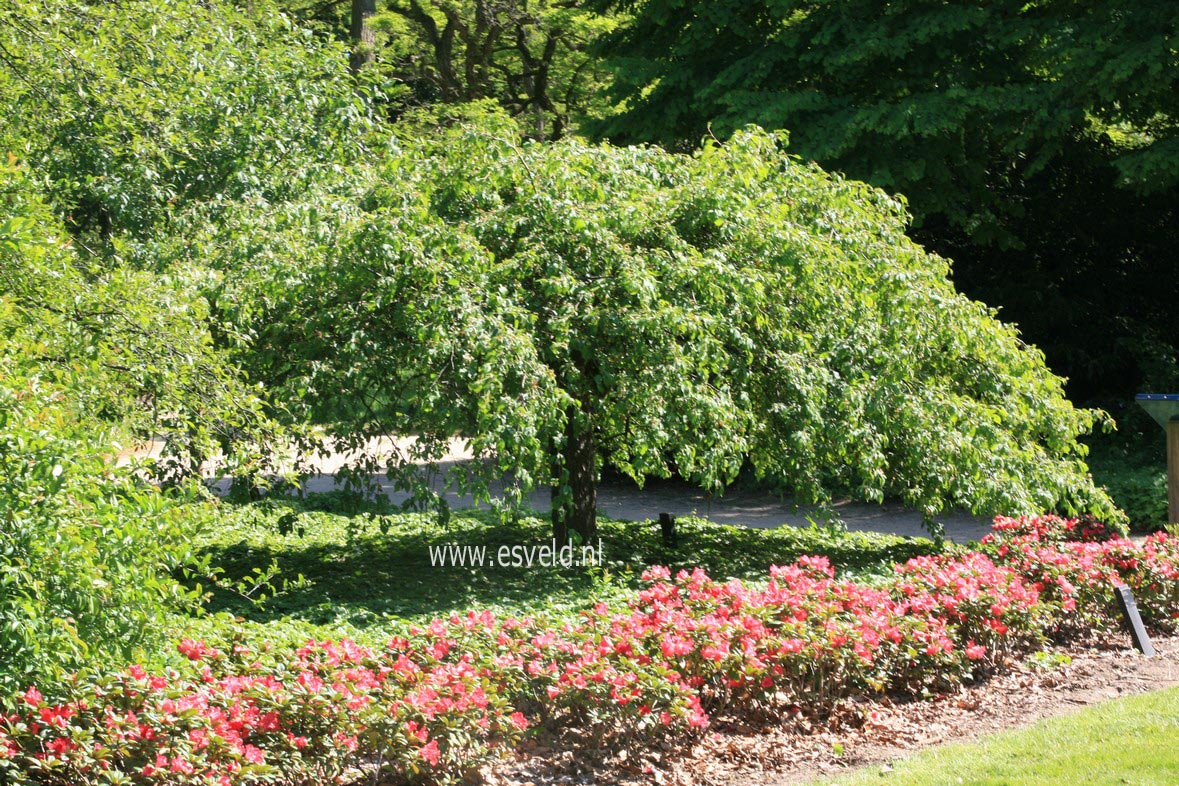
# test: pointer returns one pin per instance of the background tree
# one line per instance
(1036, 142)
(361, 31)
(129, 110)
(531, 57)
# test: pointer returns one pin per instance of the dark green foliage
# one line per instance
(1037, 143)
(1132, 465)
(1140, 490)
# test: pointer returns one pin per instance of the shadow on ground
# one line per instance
(364, 568)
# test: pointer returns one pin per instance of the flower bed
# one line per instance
(437, 704)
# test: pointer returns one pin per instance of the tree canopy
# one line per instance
(567, 306)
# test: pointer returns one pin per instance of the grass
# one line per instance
(360, 567)
(1127, 741)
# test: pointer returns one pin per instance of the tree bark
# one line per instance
(363, 38)
(580, 512)
(556, 505)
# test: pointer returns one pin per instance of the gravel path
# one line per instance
(621, 499)
(625, 501)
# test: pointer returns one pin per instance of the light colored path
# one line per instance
(623, 500)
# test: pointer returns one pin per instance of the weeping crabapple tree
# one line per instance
(569, 306)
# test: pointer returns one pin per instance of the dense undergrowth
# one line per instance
(1132, 466)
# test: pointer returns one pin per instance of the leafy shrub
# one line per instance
(796, 330)
(87, 355)
(1141, 491)
(1131, 464)
(85, 548)
(131, 109)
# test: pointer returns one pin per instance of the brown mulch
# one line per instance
(859, 733)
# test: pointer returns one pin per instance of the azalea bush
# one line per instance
(312, 715)
(1075, 562)
(438, 702)
(1050, 529)
(992, 607)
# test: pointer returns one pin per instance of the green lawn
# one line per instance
(1127, 741)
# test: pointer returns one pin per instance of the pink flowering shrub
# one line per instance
(434, 705)
(1049, 529)
(1155, 581)
(992, 608)
(804, 639)
(315, 715)
(1075, 564)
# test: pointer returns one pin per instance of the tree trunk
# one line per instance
(363, 39)
(580, 512)
(559, 513)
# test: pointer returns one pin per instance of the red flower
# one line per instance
(193, 650)
(430, 753)
(32, 697)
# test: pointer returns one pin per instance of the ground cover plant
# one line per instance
(433, 704)
(369, 568)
